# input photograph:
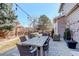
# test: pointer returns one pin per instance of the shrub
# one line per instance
(67, 34)
(56, 37)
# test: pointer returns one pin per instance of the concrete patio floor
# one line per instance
(56, 48)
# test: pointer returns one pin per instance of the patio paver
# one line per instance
(56, 48)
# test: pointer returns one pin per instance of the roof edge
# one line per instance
(60, 7)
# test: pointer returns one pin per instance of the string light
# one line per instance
(28, 15)
(22, 10)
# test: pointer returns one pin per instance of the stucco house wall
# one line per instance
(59, 25)
(72, 18)
(74, 24)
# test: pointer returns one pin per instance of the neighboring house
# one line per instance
(71, 11)
(59, 25)
(19, 30)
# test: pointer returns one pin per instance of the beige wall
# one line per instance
(56, 28)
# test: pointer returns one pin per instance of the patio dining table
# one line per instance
(38, 42)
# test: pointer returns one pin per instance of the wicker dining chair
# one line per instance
(23, 38)
(25, 50)
(45, 47)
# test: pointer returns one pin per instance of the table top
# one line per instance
(36, 41)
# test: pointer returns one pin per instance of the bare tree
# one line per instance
(44, 23)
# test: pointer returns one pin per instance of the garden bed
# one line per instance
(9, 44)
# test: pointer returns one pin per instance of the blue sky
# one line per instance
(35, 10)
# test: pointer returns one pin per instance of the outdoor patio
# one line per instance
(56, 48)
